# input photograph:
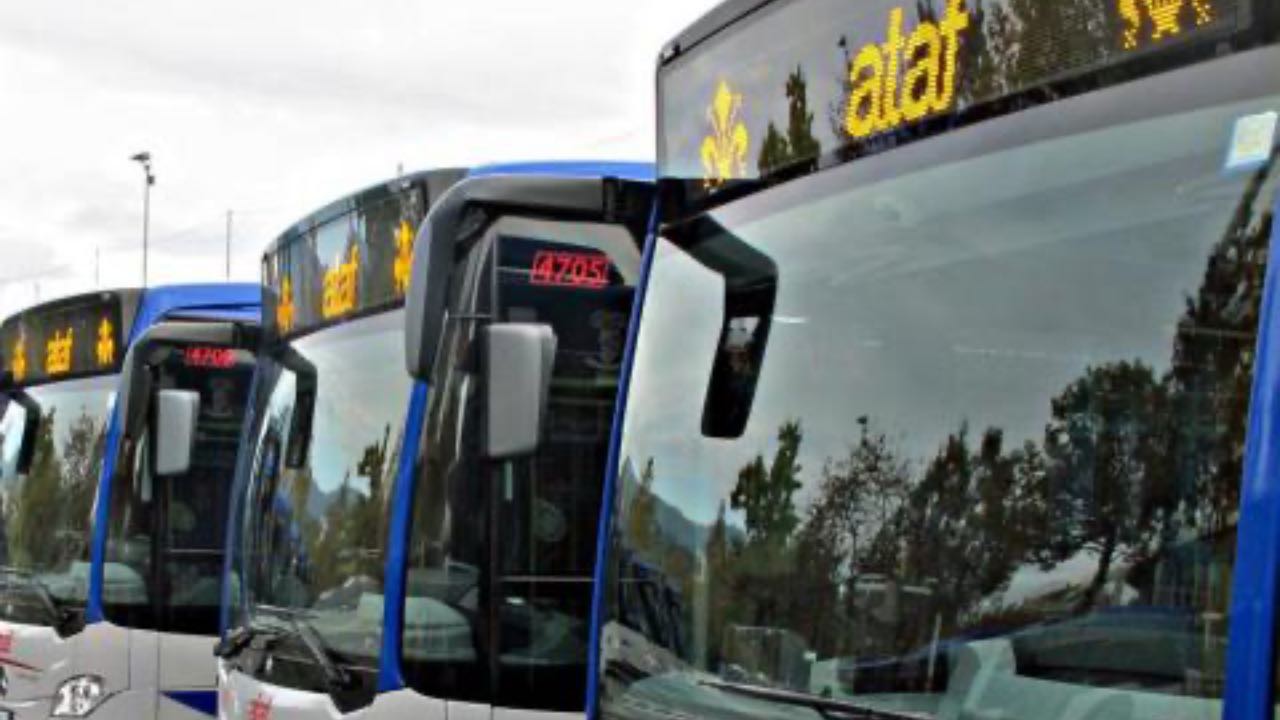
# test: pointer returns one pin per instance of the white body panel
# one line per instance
(147, 675)
(241, 695)
(35, 661)
(243, 698)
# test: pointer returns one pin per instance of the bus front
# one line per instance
(522, 291)
(61, 366)
(941, 395)
(303, 625)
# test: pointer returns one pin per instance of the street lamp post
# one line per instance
(144, 159)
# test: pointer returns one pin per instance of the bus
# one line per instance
(110, 581)
(418, 523)
(955, 371)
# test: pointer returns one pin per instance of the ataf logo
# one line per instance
(6, 642)
(1165, 18)
(58, 352)
(724, 151)
(260, 708)
(340, 286)
(907, 77)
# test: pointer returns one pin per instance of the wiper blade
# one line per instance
(47, 599)
(826, 707)
(336, 676)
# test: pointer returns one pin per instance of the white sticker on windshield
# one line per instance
(1252, 141)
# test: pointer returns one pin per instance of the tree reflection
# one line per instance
(48, 515)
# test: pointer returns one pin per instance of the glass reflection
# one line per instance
(991, 455)
(313, 535)
(47, 509)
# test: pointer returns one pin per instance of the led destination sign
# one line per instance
(352, 257)
(804, 80)
(74, 337)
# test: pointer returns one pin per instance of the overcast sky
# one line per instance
(272, 109)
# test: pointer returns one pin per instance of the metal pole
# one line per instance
(144, 159)
(146, 223)
(228, 244)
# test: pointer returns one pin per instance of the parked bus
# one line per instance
(421, 543)
(112, 526)
(970, 299)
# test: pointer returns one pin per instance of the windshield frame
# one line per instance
(1220, 82)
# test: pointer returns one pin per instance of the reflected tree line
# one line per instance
(1135, 472)
(47, 513)
(344, 539)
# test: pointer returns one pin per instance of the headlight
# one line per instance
(78, 696)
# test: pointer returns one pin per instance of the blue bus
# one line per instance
(417, 521)
(112, 526)
(953, 392)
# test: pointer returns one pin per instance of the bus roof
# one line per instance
(622, 169)
(441, 177)
(197, 301)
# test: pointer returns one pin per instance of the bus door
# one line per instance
(188, 388)
(524, 379)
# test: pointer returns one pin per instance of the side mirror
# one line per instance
(519, 358)
(176, 415)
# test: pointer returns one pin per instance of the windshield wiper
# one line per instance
(826, 707)
(56, 609)
(336, 676)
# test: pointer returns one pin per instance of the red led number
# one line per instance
(209, 357)
(569, 269)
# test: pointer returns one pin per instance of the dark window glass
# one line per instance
(502, 554)
(312, 537)
(165, 535)
(964, 440)
(47, 511)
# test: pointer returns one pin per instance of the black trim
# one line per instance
(447, 231)
(727, 13)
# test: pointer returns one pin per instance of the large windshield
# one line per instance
(949, 439)
(46, 510)
(311, 536)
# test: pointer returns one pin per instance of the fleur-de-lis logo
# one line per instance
(284, 307)
(402, 270)
(724, 151)
(106, 349)
(18, 366)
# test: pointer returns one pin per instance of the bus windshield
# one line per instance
(46, 510)
(952, 431)
(313, 527)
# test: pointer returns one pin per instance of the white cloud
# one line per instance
(273, 109)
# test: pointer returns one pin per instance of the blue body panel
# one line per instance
(391, 674)
(1251, 648)
(191, 301)
(609, 491)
